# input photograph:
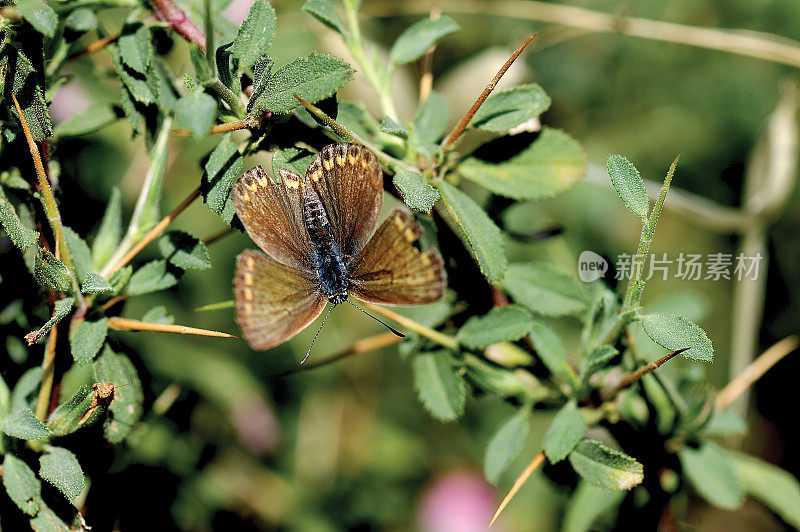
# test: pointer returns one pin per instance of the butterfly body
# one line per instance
(320, 243)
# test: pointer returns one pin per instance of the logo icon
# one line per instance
(591, 266)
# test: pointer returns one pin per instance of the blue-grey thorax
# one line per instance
(328, 258)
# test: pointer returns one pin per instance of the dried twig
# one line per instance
(123, 324)
(533, 466)
(634, 376)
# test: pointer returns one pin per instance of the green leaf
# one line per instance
(62, 308)
(22, 236)
(184, 251)
(776, 488)
(50, 272)
(197, 111)
(79, 251)
(295, 159)
(323, 11)
(158, 315)
(551, 352)
(629, 185)
(60, 468)
(508, 109)
(598, 358)
(505, 445)
(151, 277)
(135, 47)
(674, 332)
(223, 168)
(108, 235)
(430, 122)
(47, 521)
(21, 484)
(605, 467)
(417, 193)
(200, 64)
(23, 424)
(66, 418)
(26, 388)
(40, 15)
(144, 87)
(147, 212)
(548, 166)
(440, 389)
(126, 408)
(544, 289)
(255, 34)
(94, 283)
(391, 127)
(119, 279)
(710, 472)
(92, 120)
(81, 20)
(313, 78)
(480, 235)
(25, 84)
(501, 324)
(725, 423)
(416, 40)
(566, 430)
(87, 339)
(587, 505)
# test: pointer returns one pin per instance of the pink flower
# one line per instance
(458, 501)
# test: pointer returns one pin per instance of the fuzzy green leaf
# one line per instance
(184, 251)
(416, 40)
(417, 193)
(21, 484)
(120, 278)
(629, 185)
(508, 109)
(674, 332)
(144, 87)
(60, 468)
(505, 445)
(544, 289)
(587, 505)
(92, 120)
(725, 423)
(197, 111)
(62, 308)
(598, 358)
(81, 20)
(776, 488)
(47, 521)
(50, 272)
(501, 324)
(135, 47)
(126, 408)
(223, 168)
(25, 84)
(605, 467)
(391, 127)
(566, 430)
(94, 283)
(480, 235)
(295, 159)
(23, 424)
(158, 315)
(66, 418)
(710, 472)
(313, 78)
(40, 15)
(430, 122)
(86, 341)
(548, 166)
(108, 235)
(80, 253)
(551, 351)
(22, 236)
(151, 277)
(323, 11)
(255, 34)
(440, 389)
(25, 390)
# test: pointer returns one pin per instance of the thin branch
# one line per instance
(426, 79)
(462, 125)
(634, 376)
(170, 13)
(533, 466)
(210, 239)
(153, 233)
(436, 336)
(166, 399)
(113, 301)
(48, 369)
(755, 371)
(364, 345)
(249, 122)
(123, 324)
(95, 46)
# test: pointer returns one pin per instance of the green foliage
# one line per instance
(21, 484)
(417, 193)
(107, 238)
(23, 425)
(197, 111)
(776, 488)
(566, 430)
(629, 184)
(61, 308)
(87, 339)
(60, 468)
(544, 289)
(588, 504)
(151, 277)
(40, 15)
(676, 332)
(501, 324)
(413, 42)
(135, 47)
(126, 408)
(89, 121)
(508, 109)
(430, 122)
(255, 35)
(440, 389)
(506, 444)
(67, 417)
(184, 251)
(22, 236)
(323, 11)
(551, 352)
(604, 467)
(221, 170)
(50, 272)
(712, 475)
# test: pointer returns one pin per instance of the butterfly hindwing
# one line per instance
(272, 214)
(391, 271)
(274, 302)
(349, 182)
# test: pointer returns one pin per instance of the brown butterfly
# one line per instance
(316, 231)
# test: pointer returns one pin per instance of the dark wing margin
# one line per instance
(272, 214)
(392, 271)
(274, 302)
(349, 181)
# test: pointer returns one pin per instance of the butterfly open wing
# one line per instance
(272, 214)
(349, 181)
(391, 271)
(274, 302)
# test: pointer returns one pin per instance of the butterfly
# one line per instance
(320, 246)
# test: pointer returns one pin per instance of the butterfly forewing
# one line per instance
(349, 181)
(391, 271)
(272, 214)
(274, 302)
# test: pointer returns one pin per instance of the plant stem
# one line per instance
(441, 339)
(168, 11)
(634, 376)
(48, 369)
(248, 122)
(233, 100)
(95, 46)
(211, 51)
(123, 324)
(533, 466)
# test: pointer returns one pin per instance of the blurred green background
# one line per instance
(348, 446)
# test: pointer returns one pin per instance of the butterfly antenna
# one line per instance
(395, 331)
(315, 336)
